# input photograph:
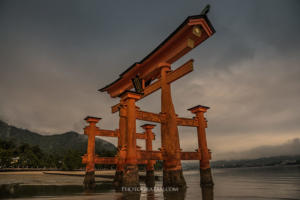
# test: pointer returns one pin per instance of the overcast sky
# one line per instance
(55, 55)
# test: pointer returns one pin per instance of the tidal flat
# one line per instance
(256, 183)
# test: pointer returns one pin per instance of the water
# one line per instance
(241, 183)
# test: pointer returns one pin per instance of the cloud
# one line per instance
(54, 57)
(252, 102)
(291, 147)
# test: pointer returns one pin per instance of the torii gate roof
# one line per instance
(193, 31)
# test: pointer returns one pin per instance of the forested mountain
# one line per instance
(52, 143)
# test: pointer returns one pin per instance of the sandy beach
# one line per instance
(51, 177)
(56, 177)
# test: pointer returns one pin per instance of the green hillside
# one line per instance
(53, 143)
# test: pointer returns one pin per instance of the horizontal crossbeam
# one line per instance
(160, 118)
(171, 77)
(107, 160)
(107, 133)
(190, 156)
(181, 121)
(157, 155)
(143, 157)
(148, 116)
(187, 36)
(150, 155)
(115, 133)
(141, 136)
(100, 160)
(115, 108)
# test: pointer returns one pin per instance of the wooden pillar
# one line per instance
(206, 180)
(121, 145)
(90, 130)
(150, 178)
(172, 173)
(130, 177)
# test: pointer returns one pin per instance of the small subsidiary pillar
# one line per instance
(90, 130)
(121, 146)
(150, 178)
(131, 176)
(172, 170)
(205, 170)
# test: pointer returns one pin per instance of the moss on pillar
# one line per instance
(131, 176)
(89, 180)
(173, 178)
(207, 184)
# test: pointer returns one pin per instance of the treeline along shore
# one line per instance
(26, 157)
(22, 149)
(23, 157)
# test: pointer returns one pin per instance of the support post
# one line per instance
(150, 178)
(206, 180)
(172, 172)
(90, 130)
(121, 146)
(131, 176)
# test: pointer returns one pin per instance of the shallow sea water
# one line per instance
(230, 184)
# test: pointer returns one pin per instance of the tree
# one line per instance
(5, 158)
(72, 160)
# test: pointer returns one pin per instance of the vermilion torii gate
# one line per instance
(147, 76)
(90, 159)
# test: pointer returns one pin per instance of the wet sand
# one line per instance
(56, 177)
(51, 177)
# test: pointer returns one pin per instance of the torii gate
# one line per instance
(147, 76)
(90, 159)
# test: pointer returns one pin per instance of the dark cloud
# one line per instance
(54, 55)
(291, 147)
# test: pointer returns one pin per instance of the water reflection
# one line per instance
(247, 183)
(150, 195)
(179, 195)
(130, 196)
(29, 191)
(207, 192)
(17, 190)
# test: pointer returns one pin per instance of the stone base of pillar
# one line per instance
(150, 178)
(206, 177)
(89, 180)
(173, 178)
(131, 176)
(118, 179)
(207, 184)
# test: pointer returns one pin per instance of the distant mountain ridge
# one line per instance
(52, 143)
(258, 162)
(288, 148)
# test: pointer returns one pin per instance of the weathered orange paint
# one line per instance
(107, 133)
(142, 136)
(108, 160)
(202, 144)
(155, 68)
(169, 51)
(91, 131)
(150, 136)
(169, 130)
(158, 155)
(129, 98)
(150, 155)
(122, 140)
(149, 116)
(182, 121)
